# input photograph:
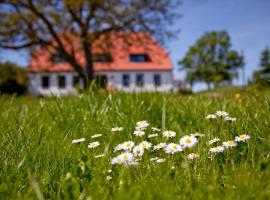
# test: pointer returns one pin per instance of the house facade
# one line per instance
(130, 63)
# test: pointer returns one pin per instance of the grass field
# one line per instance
(39, 161)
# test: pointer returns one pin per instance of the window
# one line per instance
(126, 80)
(57, 58)
(99, 57)
(157, 80)
(139, 80)
(45, 81)
(139, 58)
(61, 81)
(76, 81)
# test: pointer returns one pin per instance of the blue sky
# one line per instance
(247, 22)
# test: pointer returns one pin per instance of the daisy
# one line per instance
(76, 141)
(230, 119)
(160, 160)
(93, 145)
(142, 125)
(138, 151)
(108, 178)
(139, 133)
(126, 157)
(128, 145)
(229, 144)
(145, 145)
(96, 135)
(160, 146)
(188, 141)
(156, 129)
(217, 149)
(211, 116)
(169, 134)
(173, 148)
(222, 113)
(117, 160)
(152, 135)
(193, 156)
(117, 129)
(213, 141)
(118, 147)
(99, 156)
(242, 138)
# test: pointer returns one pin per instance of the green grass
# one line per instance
(38, 161)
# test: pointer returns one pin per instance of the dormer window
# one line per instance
(139, 58)
(57, 58)
(102, 57)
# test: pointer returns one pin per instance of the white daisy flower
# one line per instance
(169, 134)
(173, 148)
(152, 135)
(213, 141)
(230, 119)
(76, 141)
(222, 113)
(108, 178)
(156, 129)
(124, 158)
(145, 145)
(188, 141)
(242, 138)
(117, 160)
(160, 146)
(154, 159)
(127, 157)
(211, 116)
(160, 160)
(96, 135)
(217, 149)
(99, 156)
(127, 145)
(229, 144)
(142, 125)
(139, 133)
(117, 129)
(93, 145)
(197, 134)
(118, 147)
(193, 156)
(138, 151)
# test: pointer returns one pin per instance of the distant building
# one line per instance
(138, 64)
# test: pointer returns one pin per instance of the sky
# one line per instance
(246, 21)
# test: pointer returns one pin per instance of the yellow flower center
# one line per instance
(174, 147)
(126, 156)
(188, 140)
(242, 137)
(230, 142)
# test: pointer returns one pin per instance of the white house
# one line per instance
(129, 68)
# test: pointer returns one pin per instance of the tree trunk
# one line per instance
(89, 62)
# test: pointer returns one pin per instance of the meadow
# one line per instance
(40, 160)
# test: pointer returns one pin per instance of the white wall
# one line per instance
(35, 85)
(114, 80)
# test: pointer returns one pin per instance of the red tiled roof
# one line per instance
(119, 45)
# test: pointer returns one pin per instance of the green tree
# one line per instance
(34, 23)
(211, 60)
(13, 79)
(264, 72)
